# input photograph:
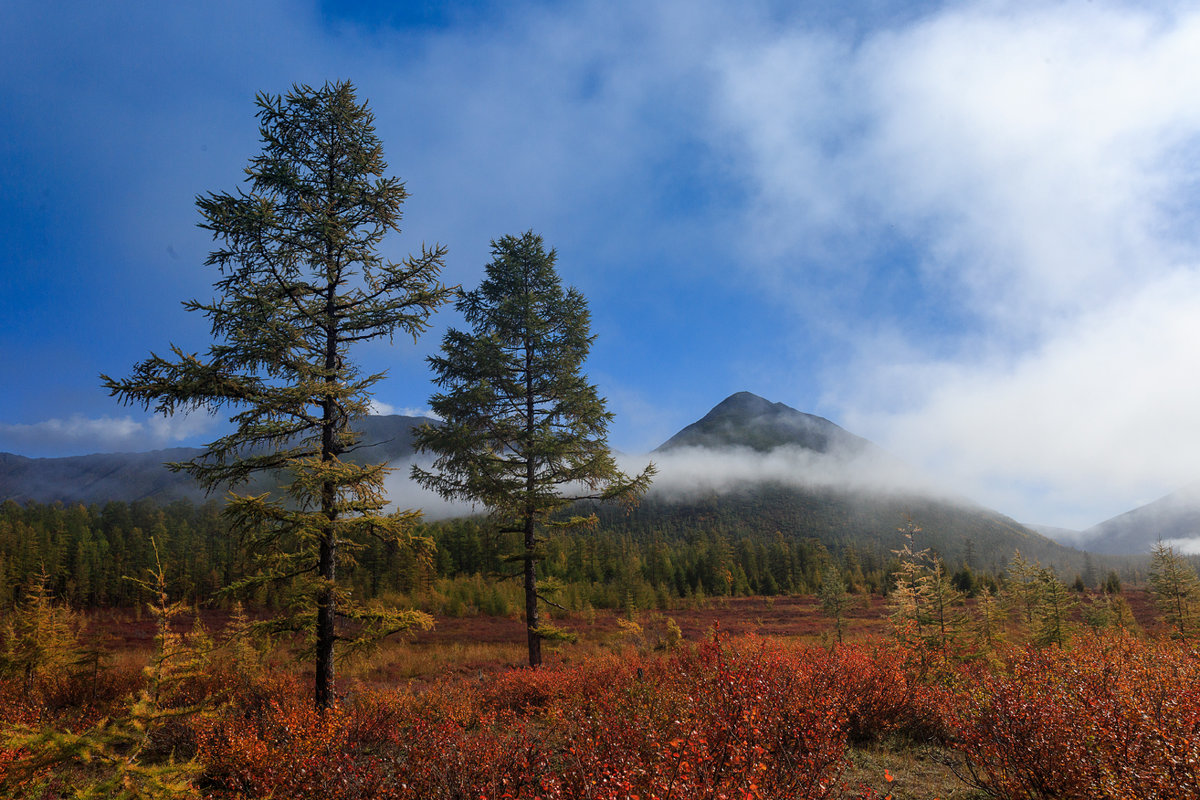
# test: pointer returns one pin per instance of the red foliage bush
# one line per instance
(883, 692)
(717, 721)
(746, 721)
(1114, 717)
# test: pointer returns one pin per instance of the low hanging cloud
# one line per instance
(1036, 166)
(404, 493)
(1105, 408)
(378, 407)
(78, 434)
(1189, 547)
(688, 472)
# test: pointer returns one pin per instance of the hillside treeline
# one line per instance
(90, 553)
(652, 559)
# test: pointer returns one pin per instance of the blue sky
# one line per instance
(966, 231)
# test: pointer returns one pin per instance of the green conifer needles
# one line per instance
(301, 283)
(524, 432)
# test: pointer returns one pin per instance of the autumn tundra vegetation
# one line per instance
(1036, 691)
(301, 639)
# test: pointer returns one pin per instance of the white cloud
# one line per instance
(1038, 162)
(403, 492)
(1190, 547)
(1104, 411)
(78, 434)
(689, 471)
(1036, 151)
(379, 407)
(1030, 155)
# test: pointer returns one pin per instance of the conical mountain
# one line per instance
(746, 420)
(752, 469)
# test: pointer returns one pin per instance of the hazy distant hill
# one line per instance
(97, 478)
(102, 477)
(1067, 536)
(839, 494)
(1174, 517)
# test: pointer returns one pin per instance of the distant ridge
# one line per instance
(746, 420)
(98, 478)
(771, 505)
(102, 477)
(1173, 517)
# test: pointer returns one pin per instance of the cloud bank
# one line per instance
(1013, 189)
(689, 472)
(692, 471)
(78, 434)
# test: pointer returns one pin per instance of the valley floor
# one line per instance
(756, 700)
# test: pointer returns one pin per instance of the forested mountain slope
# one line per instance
(753, 467)
(750, 481)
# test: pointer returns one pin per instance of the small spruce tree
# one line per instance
(41, 637)
(1176, 589)
(524, 433)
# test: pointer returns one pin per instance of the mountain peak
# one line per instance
(745, 403)
(746, 420)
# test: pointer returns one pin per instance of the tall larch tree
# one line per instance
(301, 284)
(524, 433)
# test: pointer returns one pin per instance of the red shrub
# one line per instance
(882, 692)
(720, 721)
(1107, 718)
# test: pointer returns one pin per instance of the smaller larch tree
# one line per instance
(41, 637)
(1175, 587)
(926, 608)
(1021, 587)
(987, 621)
(834, 600)
(524, 433)
(1052, 609)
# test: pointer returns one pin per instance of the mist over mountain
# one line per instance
(1068, 536)
(751, 466)
(1175, 519)
(746, 439)
(748, 467)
